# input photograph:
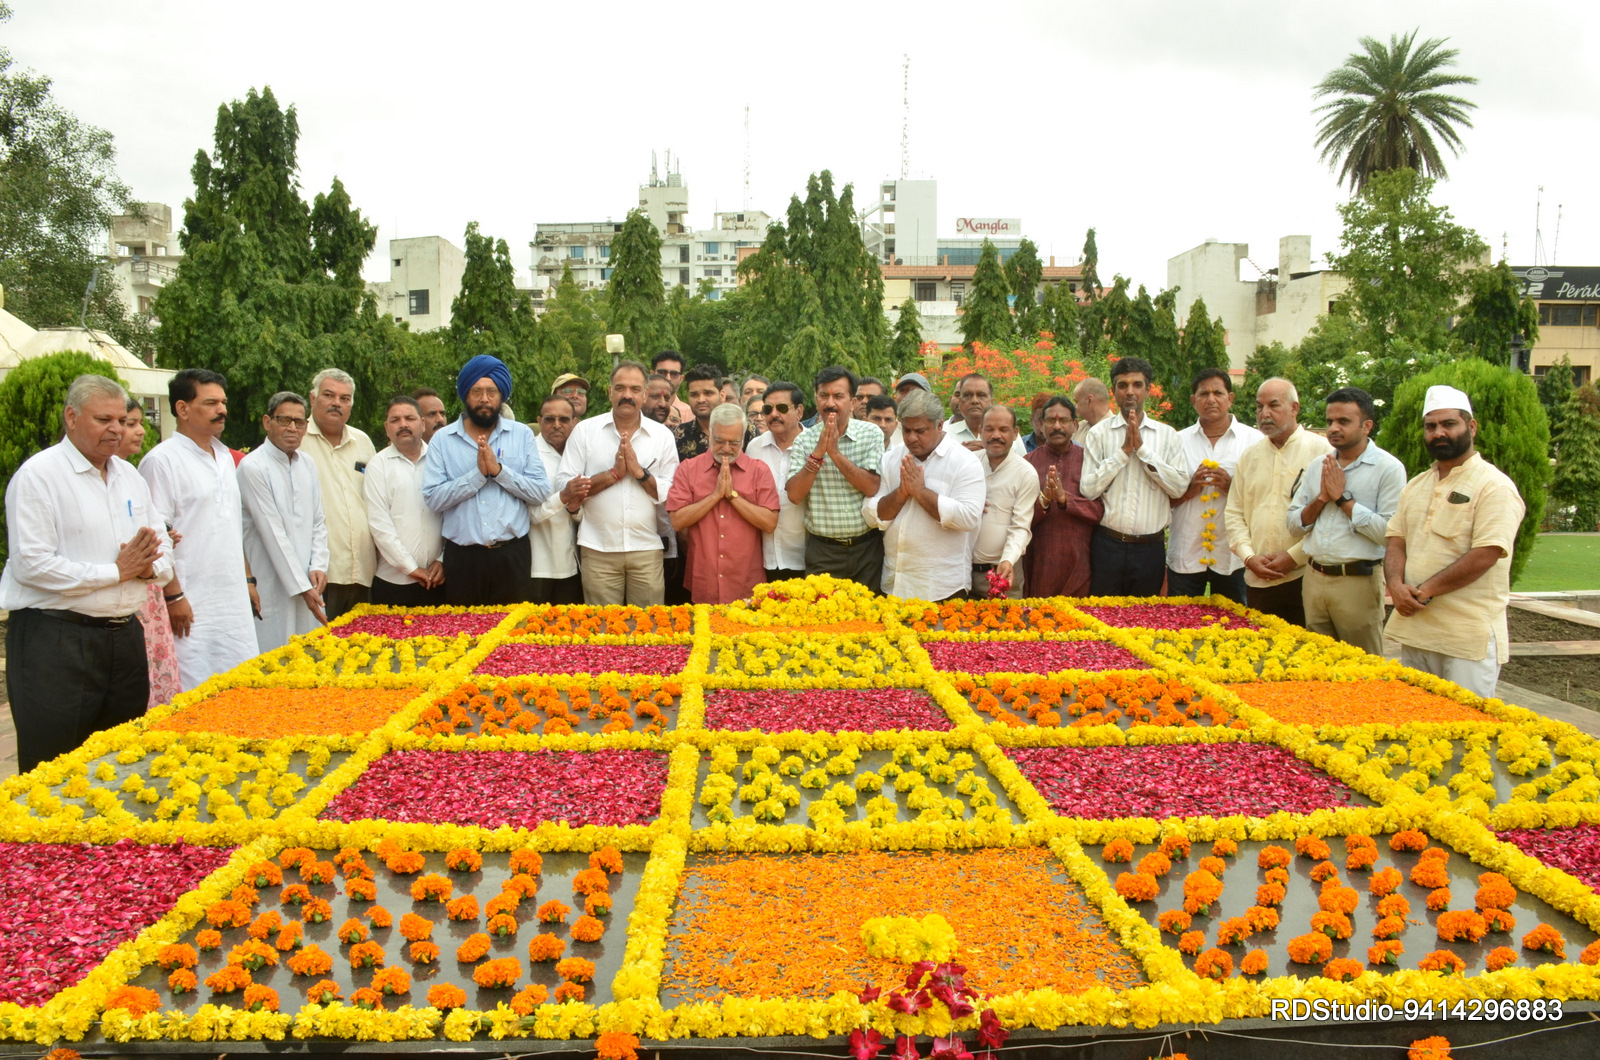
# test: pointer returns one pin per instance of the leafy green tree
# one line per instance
(986, 312)
(270, 288)
(1512, 434)
(704, 323)
(1496, 315)
(1024, 274)
(1064, 318)
(1388, 103)
(1577, 473)
(1203, 344)
(905, 349)
(1091, 267)
(572, 337)
(31, 397)
(1267, 362)
(1407, 262)
(492, 316)
(1555, 386)
(636, 299)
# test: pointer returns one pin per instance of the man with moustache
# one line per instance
(1010, 488)
(783, 550)
(341, 453)
(483, 471)
(705, 393)
(432, 407)
(285, 535)
(625, 463)
(839, 472)
(722, 502)
(196, 495)
(1257, 512)
(1448, 561)
(554, 524)
(884, 414)
(974, 396)
(867, 389)
(1346, 500)
(1195, 560)
(406, 531)
(1057, 561)
(658, 398)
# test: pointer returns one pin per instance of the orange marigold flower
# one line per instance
(1137, 886)
(553, 912)
(1394, 905)
(366, 955)
(424, 952)
(504, 902)
(1174, 921)
(1591, 953)
(295, 856)
(606, 859)
(1117, 851)
(1434, 1048)
(501, 924)
(1361, 858)
(432, 888)
(1410, 839)
(1439, 900)
(473, 949)
(404, 862)
(1342, 969)
(361, 890)
(352, 931)
(367, 998)
(379, 917)
(1315, 948)
(1338, 900)
(1461, 925)
(1500, 957)
(1439, 854)
(588, 929)
(1499, 920)
(1495, 891)
(182, 981)
(316, 911)
(322, 993)
(264, 874)
(1233, 931)
(545, 947)
(529, 998)
(526, 861)
(1200, 891)
(1214, 964)
(1270, 894)
(134, 1000)
(569, 992)
(1313, 847)
(446, 995)
(1261, 918)
(463, 908)
(1214, 865)
(208, 939)
(1273, 857)
(463, 860)
(245, 893)
(266, 924)
(391, 981)
(1355, 842)
(1323, 871)
(1334, 925)
(415, 928)
(1278, 876)
(311, 961)
(1384, 882)
(1547, 939)
(614, 1045)
(503, 972)
(294, 894)
(177, 955)
(1442, 961)
(291, 935)
(590, 881)
(597, 904)
(258, 998)
(520, 886)
(1224, 848)
(252, 954)
(1154, 863)
(314, 872)
(1389, 927)
(1430, 874)
(575, 969)
(228, 914)
(1191, 941)
(228, 980)
(1254, 962)
(1175, 846)
(1386, 952)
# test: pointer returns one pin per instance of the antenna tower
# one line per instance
(905, 120)
(747, 157)
(1538, 234)
(1555, 249)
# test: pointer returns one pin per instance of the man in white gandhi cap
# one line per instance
(1448, 562)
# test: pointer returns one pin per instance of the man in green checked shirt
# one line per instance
(839, 471)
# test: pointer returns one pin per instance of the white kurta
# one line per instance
(197, 495)
(285, 537)
(552, 530)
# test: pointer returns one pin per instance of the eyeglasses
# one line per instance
(781, 408)
(297, 422)
(571, 391)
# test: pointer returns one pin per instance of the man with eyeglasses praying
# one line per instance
(783, 550)
(722, 502)
(285, 534)
(482, 472)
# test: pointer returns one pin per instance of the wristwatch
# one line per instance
(734, 494)
(1346, 496)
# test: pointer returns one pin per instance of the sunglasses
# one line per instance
(782, 409)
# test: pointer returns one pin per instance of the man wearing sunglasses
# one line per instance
(783, 551)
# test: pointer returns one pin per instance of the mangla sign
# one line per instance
(988, 226)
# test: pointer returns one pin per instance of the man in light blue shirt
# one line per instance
(483, 471)
(1344, 502)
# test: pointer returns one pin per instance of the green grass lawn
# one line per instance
(1562, 561)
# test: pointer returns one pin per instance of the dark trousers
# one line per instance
(675, 593)
(337, 599)
(556, 590)
(482, 574)
(1282, 599)
(1126, 568)
(407, 594)
(860, 561)
(1228, 586)
(781, 574)
(66, 682)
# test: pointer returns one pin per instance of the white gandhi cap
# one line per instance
(1446, 397)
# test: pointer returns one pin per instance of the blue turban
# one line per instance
(480, 366)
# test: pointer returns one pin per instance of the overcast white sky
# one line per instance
(1159, 124)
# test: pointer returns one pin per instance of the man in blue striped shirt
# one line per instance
(483, 471)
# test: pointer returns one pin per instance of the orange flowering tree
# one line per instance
(1017, 375)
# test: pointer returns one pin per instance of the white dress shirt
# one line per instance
(552, 530)
(1185, 549)
(194, 490)
(405, 530)
(926, 558)
(963, 434)
(622, 517)
(285, 538)
(65, 525)
(1137, 492)
(1011, 491)
(785, 547)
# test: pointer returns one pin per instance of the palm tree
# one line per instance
(1390, 103)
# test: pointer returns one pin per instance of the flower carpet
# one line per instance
(815, 812)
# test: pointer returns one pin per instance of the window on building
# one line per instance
(1558, 315)
(711, 248)
(683, 252)
(605, 251)
(714, 296)
(548, 250)
(145, 302)
(958, 292)
(397, 263)
(927, 292)
(714, 272)
(605, 274)
(419, 303)
(575, 252)
(683, 277)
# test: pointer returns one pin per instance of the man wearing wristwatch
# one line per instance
(619, 466)
(839, 471)
(721, 502)
(1343, 505)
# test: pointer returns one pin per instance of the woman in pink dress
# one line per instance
(164, 680)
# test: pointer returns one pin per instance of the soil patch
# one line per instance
(1574, 678)
(1528, 626)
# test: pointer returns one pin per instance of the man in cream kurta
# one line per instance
(285, 537)
(341, 454)
(194, 491)
(1011, 489)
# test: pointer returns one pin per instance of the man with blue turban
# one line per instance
(483, 471)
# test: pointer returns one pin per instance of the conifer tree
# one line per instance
(1024, 273)
(1091, 268)
(1202, 345)
(1555, 386)
(1577, 471)
(986, 312)
(905, 350)
(1064, 319)
(636, 299)
(491, 316)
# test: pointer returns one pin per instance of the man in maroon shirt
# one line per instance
(721, 502)
(1057, 560)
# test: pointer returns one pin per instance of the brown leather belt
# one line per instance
(1129, 539)
(1340, 570)
(94, 621)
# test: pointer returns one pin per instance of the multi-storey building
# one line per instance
(1569, 317)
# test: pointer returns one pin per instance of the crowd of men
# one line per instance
(663, 500)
